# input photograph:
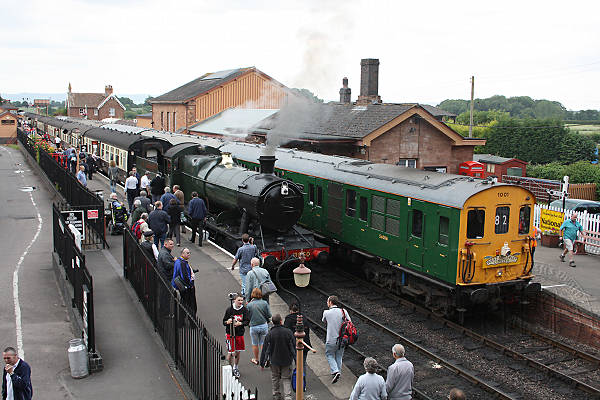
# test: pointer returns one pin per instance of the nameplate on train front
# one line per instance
(492, 261)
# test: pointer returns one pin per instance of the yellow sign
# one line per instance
(495, 261)
(551, 220)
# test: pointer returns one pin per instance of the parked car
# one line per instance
(592, 207)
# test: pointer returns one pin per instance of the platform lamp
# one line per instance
(301, 279)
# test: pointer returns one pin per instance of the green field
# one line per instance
(586, 129)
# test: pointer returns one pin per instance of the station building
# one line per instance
(95, 106)
(180, 108)
(496, 166)
(8, 127)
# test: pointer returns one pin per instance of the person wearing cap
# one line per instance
(148, 245)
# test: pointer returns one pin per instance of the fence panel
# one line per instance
(196, 353)
(585, 191)
(73, 262)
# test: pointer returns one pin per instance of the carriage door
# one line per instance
(416, 231)
(438, 243)
(335, 209)
(315, 204)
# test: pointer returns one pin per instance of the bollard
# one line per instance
(78, 358)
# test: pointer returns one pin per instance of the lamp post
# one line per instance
(301, 279)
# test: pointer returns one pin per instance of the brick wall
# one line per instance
(105, 110)
(178, 109)
(8, 132)
(144, 122)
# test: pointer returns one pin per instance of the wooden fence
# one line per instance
(540, 187)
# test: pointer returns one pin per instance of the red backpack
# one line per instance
(348, 332)
(137, 229)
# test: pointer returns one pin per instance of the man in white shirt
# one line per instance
(145, 181)
(16, 377)
(131, 189)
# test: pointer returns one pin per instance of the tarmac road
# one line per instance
(45, 330)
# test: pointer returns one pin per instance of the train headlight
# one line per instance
(505, 251)
(284, 189)
(499, 272)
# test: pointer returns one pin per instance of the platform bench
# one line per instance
(587, 238)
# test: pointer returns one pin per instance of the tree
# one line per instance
(127, 102)
(454, 106)
(549, 109)
(148, 100)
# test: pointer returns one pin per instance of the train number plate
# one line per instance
(493, 261)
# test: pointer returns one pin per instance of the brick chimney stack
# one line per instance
(108, 90)
(369, 81)
(345, 92)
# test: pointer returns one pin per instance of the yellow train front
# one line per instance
(494, 259)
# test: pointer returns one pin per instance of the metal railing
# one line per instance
(196, 353)
(73, 262)
(76, 195)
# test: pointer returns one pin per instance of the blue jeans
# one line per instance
(113, 187)
(334, 357)
(159, 239)
(258, 333)
(243, 276)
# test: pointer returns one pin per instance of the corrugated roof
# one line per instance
(145, 115)
(490, 159)
(199, 85)
(233, 121)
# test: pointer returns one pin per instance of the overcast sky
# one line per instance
(427, 49)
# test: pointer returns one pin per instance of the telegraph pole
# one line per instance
(471, 116)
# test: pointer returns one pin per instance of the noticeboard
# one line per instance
(75, 218)
(550, 220)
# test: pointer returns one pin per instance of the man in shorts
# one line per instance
(235, 320)
(569, 230)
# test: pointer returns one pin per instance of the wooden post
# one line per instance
(471, 114)
(299, 358)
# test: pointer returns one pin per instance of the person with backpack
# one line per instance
(140, 226)
(334, 317)
(258, 277)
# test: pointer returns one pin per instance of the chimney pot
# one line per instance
(369, 81)
(345, 92)
(108, 90)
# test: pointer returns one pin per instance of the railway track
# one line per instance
(525, 365)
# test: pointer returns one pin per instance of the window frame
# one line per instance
(351, 196)
(498, 218)
(482, 230)
(447, 235)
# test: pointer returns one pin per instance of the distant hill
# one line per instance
(137, 98)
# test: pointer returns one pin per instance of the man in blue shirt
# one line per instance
(244, 255)
(569, 230)
(81, 176)
(197, 211)
(182, 268)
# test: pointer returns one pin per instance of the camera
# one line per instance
(232, 296)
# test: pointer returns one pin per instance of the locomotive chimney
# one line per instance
(267, 164)
(369, 81)
(345, 92)
(226, 160)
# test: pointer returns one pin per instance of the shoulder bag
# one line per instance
(267, 287)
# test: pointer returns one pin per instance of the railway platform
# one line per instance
(214, 282)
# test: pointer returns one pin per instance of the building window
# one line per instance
(111, 112)
(168, 120)
(82, 111)
(407, 162)
(8, 122)
(174, 122)
(491, 168)
(475, 224)
(95, 111)
(162, 125)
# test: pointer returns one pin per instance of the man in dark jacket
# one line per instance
(290, 323)
(166, 198)
(158, 221)
(148, 246)
(197, 212)
(157, 187)
(145, 201)
(182, 269)
(280, 349)
(166, 260)
(16, 377)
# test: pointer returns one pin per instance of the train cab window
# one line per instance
(363, 208)
(417, 223)
(311, 193)
(350, 203)
(443, 232)
(501, 220)
(524, 220)
(319, 196)
(475, 224)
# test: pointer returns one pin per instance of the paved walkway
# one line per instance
(579, 285)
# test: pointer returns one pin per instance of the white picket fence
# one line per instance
(590, 222)
(232, 387)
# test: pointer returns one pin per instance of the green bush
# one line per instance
(579, 172)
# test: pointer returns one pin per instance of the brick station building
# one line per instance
(212, 93)
(8, 123)
(96, 106)
(407, 134)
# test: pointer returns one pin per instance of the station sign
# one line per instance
(75, 218)
(550, 220)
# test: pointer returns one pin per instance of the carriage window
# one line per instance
(350, 203)
(363, 208)
(475, 224)
(501, 221)
(311, 192)
(417, 223)
(378, 203)
(443, 233)
(524, 220)
(319, 196)
(377, 221)
(393, 207)
(392, 226)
